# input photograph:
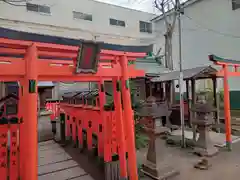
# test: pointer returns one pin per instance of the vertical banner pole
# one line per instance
(129, 121)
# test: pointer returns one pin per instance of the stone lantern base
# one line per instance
(156, 165)
(208, 152)
(161, 172)
(204, 145)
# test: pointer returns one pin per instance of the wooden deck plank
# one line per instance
(53, 159)
(86, 177)
(50, 152)
(49, 146)
(55, 164)
(56, 167)
(64, 175)
(46, 143)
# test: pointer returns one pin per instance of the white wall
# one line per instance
(212, 28)
(61, 22)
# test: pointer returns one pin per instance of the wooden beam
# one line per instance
(230, 74)
(216, 102)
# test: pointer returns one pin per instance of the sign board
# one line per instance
(87, 58)
(11, 108)
(11, 103)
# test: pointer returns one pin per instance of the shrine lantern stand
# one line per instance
(29, 62)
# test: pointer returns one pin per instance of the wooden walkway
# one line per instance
(55, 164)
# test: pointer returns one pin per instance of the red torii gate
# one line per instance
(32, 68)
(226, 73)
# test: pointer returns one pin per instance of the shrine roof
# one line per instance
(85, 94)
(193, 73)
(20, 35)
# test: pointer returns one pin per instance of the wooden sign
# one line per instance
(87, 59)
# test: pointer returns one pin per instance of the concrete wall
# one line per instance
(61, 22)
(208, 27)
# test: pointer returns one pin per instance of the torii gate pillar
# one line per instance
(30, 115)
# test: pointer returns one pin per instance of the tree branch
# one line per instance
(157, 6)
(161, 8)
(175, 15)
(173, 3)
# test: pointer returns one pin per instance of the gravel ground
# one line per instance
(225, 165)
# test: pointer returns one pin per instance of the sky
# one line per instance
(142, 5)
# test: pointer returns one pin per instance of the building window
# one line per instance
(235, 4)
(145, 27)
(116, 22)
(38, 8)
(83, 16)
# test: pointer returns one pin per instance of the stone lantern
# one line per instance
(204, 120)
(156, 165)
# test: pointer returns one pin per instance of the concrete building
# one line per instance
(208, 27)
(85, 19)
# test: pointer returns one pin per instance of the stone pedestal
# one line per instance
(157, 165)
(204, 146)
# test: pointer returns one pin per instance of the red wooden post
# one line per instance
(102, 101)
(74, 128)
(30, 115)
(80, 132)
(70, 126)
(106, 121)
(52, 111)
(67, 128)
(227, 109)
(21, 109)
(129, 121)
(120, 129)
(89, 121)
